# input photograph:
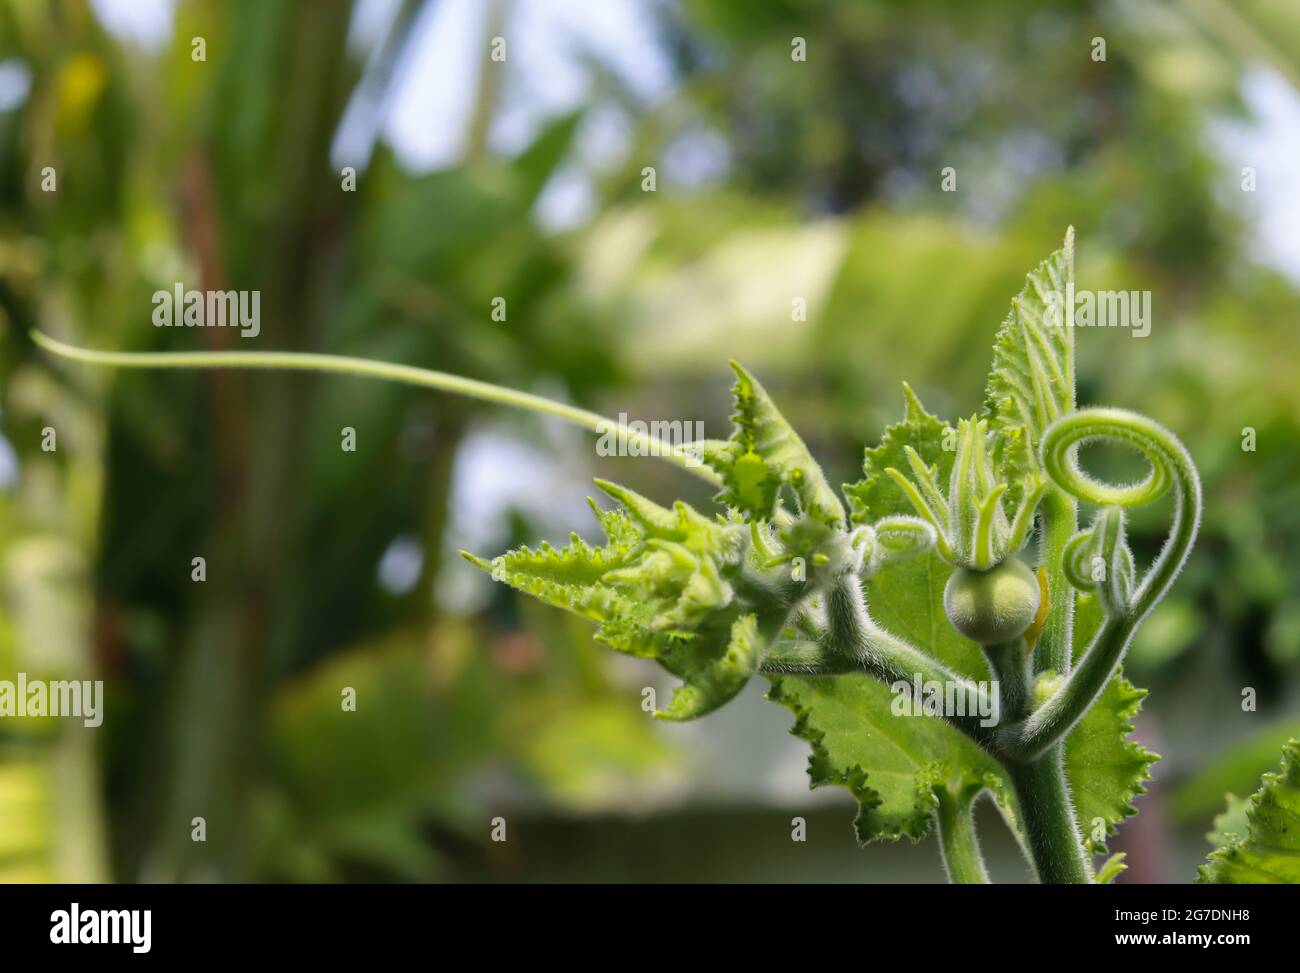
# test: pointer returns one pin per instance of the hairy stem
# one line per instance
(1060, 517)
(1052, 834)
(958, 842)
(852, 638)
(1010, 667)
(368, 368)
(800, 657)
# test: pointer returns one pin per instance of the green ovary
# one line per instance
(992, 606)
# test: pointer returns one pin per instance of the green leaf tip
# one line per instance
(718, 681)
(765, 454)
(1032, 379)
(478, 562)
(648, 514)
(1111, 869)
(913, 410)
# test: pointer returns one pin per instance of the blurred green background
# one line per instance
(775, 179)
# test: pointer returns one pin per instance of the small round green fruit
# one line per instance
(992, 606)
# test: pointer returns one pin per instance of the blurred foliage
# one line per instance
(223, 697)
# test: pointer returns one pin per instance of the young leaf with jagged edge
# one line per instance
(887, 760)
(878, 495)
(1032, 380)
(763, 454)
(657, 590)
(1267, 852)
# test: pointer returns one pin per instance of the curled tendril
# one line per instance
(1171, 467)
(1099, 560)
(1126, 605)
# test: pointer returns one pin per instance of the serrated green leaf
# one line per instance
(763, 454)
(1106, 769)
(889, 763)
(1032, 380)
(1268, 853)
(877, 495)
(656, 589)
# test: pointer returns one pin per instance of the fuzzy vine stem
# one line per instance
(1051, 830)
(853, 638)
(1009, 664)
(958, 842)
(369, 368)
(1060, 520)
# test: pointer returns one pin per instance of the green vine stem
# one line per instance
(368, 368)
(958, 843)
(1060, 521)
(1009, 665)
(1051, 831)
(853, 636)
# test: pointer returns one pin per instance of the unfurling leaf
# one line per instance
(1032, 381)
(657, 590)
(719, 679)
(763, 454)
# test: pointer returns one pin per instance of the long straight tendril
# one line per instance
(368, 368)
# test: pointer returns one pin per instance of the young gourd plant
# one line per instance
(957, 566)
